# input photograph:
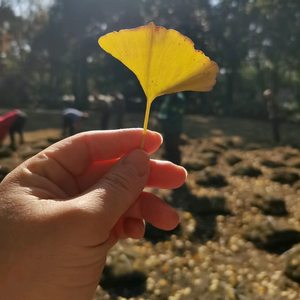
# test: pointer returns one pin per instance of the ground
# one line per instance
(239, 208)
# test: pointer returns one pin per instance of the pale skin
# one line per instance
(62, 210)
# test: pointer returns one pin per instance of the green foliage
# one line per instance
(55, 52)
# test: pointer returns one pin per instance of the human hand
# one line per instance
(63, 209)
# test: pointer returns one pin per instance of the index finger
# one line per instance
(77, 153)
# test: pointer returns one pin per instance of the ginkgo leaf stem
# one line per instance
(146, 123)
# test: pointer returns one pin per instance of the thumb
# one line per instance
(117, 190)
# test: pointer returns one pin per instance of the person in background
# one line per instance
(17, 127)
(274, 113)
(12, 122)
(105, 106)
(72, 121)
(106, 112)
(171, 115)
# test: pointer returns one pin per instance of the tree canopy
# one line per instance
(47, 52)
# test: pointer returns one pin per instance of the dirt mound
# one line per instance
(239, 215)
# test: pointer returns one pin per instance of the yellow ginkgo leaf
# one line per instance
(163, 60)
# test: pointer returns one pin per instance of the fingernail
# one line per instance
(186, 172)
(139, 159)
(141, 225)
(162, 139)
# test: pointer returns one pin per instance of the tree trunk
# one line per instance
(260, 79)
(80, 88)
(275, 80)
(231, 77)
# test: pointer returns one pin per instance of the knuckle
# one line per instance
(122, 182)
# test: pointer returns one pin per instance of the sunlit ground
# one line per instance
(238, 219)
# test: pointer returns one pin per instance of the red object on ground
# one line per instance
(6, 121)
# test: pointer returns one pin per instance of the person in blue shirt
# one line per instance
(171, 115)
(71, 121)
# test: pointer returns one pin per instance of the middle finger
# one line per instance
(163, 175)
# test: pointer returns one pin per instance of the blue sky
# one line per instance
(214, 2)
(22, 6)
